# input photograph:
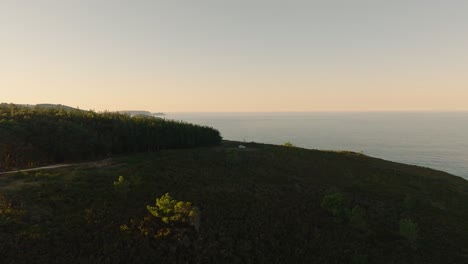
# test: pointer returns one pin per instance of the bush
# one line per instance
(172, 212)
(169, 219)
(334, 203)
(8, 212)
(288, 144)
(122, 186)
(5, 205)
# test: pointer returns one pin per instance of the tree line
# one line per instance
(31, 136)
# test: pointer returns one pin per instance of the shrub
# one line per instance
(171, 211)
(288, 144)
(334, 203)
(120, 182)
(5, 205)
(169, 218)
(8, 212)
(122, 186)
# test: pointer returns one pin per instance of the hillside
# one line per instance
(69, 108)
(261, 204)
(43, 106)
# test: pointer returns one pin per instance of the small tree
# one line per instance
(169, 219)
(172, 212)
(122, 186)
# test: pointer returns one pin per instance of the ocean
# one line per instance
(429, 139)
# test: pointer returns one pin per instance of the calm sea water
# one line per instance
(434, 140)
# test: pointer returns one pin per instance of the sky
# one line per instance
(238, 55)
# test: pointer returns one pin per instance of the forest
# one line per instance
(32, 136)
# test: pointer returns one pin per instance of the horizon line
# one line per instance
(327, 111)
(262, 111)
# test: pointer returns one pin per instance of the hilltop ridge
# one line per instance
(65, 107)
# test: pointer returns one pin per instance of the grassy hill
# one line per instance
(261, 204)
(45, 106)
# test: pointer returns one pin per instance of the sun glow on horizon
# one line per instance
(254, 56)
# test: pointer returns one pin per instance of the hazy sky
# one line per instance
(238, 55)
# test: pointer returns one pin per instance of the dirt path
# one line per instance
(39, 168)
(105, 162)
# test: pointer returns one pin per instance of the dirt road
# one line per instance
(105, 162)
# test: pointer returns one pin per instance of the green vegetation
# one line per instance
(263, 204)
(288, 144)
(122, 186)
(169, 222)
(171, 211)
(334, 203)
(32, 136)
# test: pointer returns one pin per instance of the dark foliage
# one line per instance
(31, 136)
(271, 205)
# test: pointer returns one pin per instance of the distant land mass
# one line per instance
(65, 107)
(48, 106)
(140, 112)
